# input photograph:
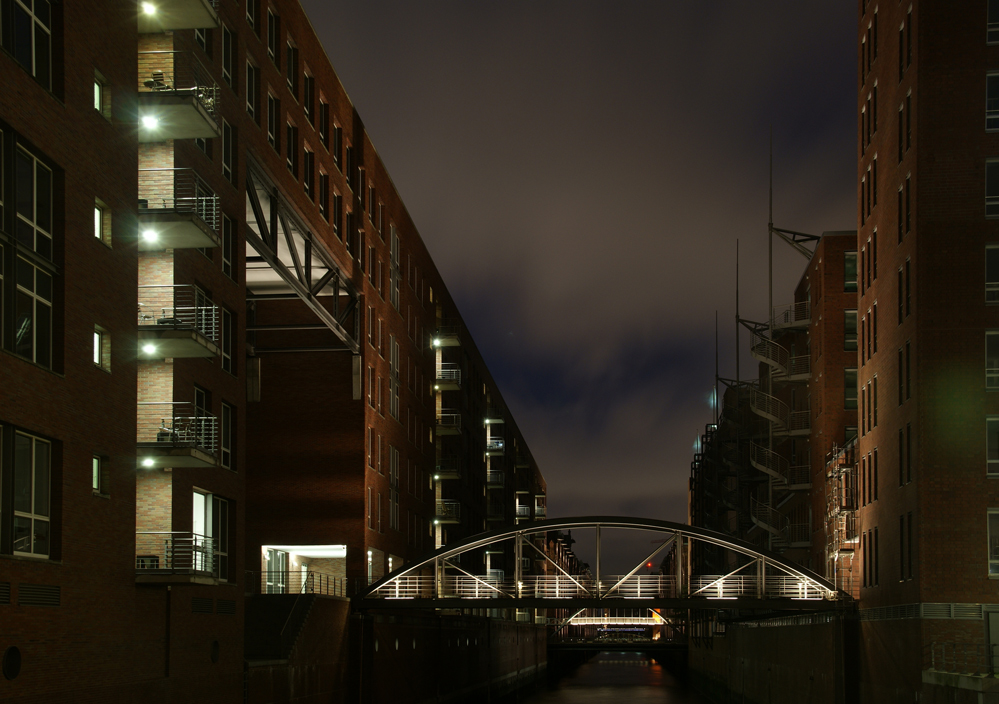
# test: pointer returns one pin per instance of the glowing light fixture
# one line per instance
(150, 235)
(148, 462)
(148, 348)
(150, 121)
(148, 8)
(437, 342)
(436, 522)
(436, 477)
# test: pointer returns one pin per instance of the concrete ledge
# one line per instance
(974, 683)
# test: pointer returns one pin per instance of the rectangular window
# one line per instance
(908, 203)
(870, 403)
(100, 481)
(901, 297)
(850, 388)
(338, 147)
(901, 548)
(371, 447)
(992, 359)
(874, 399)
(203, 37)
(370, 509)
(908, 371)
(992, 274)
(291, 69)
(993, 515)
(992, 30)
(102, 348)
(901, 457)
(229, 152)
(28, 36)
(849, 271)
(252, 91)
(228, 57)
(33, 312)
(908, 39)
(992, 188)
(876, 558)
(901, 133)
(901, 217)
(849, 330)
(102, 96)
(291, 148)
(874, 471)
(32, 483)
(227, 340)
(901, 378)
(349, 232)
(324, 196)
(338, 215)
(908, 452)
(874, 327)
(308, 173)
(226, 436)
(273, 38)
(273, 122)
(308, 98)
(908, 287)
(992, 445)
(228, 246)
(252, 13)
(901, 52)
(102, 222)
(394, 273)
(908, 121)
(324, 124)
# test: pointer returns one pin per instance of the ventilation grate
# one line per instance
(4, 592)
(38, 595)
(227, 607)
(202, 605)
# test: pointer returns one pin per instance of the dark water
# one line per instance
(635, 678)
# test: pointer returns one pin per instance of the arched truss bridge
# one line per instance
(755, 579)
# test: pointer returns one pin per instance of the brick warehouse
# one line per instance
(912, 507)
(272, 387)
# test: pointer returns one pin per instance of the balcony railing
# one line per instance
(448, 335)
(449, 372)
(793, 315)
(963, 658)
(449, 421)
(448, 511)
(494, 478)
(523, 511)
(494, 444)
(448, 468)
(174, 552)
(298, 582)
(178, 73)
(178, 307)
(177, 191)
(177, 424)
(540, 511)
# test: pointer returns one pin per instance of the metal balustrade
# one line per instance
(177, 191)
(522, 511)
(449, 419)
(297, 582)
(448, 510)
(770, 407)
(799, 366)
(177, 424)
(495, 443)
(448, 372)
(768, 518)
(174, 552)
(178, 72)
(768, 352)
(794, 314)
(768, 462)
(178, 306)
(799, 475)
(494, 478)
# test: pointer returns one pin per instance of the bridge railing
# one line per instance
(735, 586)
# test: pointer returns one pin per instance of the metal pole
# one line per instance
(598, 560)
(770, 317)
(679, 564)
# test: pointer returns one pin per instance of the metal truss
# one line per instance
(289, 262)
(759, 579)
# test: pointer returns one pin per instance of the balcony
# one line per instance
(449, 422)
(177, 210)
(447, 336)
(494, 416)
(522, 511)
(494, 479)
(164, 15)
(522, 462)
(178, 98)
(173, 323)
(448, 512)
(540, 510)
(448, 377)
(495, 446)
(494, 510)
(176, 434)
(795, 315)
(448, 468)
(174, 557)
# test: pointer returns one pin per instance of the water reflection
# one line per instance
(618, 677)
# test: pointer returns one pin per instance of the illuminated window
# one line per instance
(849, 271)
(102, 348)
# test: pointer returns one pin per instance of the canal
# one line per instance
(615, 677)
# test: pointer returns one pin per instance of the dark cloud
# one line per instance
(580, 172)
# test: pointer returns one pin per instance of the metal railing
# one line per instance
(799, 366)
(522, 511)
(768, 462)
(560, 586)
(448, 510)
(177, 423)
(178, 191)
(768, 351)
(963, 658)
(449, 372)
(449, 466)
(494, 478)
(174, 552)
(178, 72)
(799, 475)
(178, 306)
(790, 315)
(540, 511)
(770, 407)
(449, 419)
(494, 443)
(297, 582)
(768, 518)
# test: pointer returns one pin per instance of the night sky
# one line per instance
(580, 172)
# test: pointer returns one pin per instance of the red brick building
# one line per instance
(214, 306)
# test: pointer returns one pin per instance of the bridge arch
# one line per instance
(762, 580)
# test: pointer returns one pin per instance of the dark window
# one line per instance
(908, 121)
(849, 271)
(324, 124)
(992, 101)
(908, 39)
(229, 152)
(874, 471)
(228, 57)
(228, 246)
(850, 388)
(908, 452)
(31, 487)
(901, 377)
(291, 149)
(992, 31)
(901, 217)
(992, 274)
(308, 173)
(27, 35)
(849, 330)
(874, 327)
(308, 99)
(228, 333)
(291, 69)
(273, 38)
(908, 543)
(908, 202)
(338, 147)
(338, 215)
(901, 457)
(324, 196)
(908, 370)
(252, 91)
(908, 287)
(901, 133)
(253, 13)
